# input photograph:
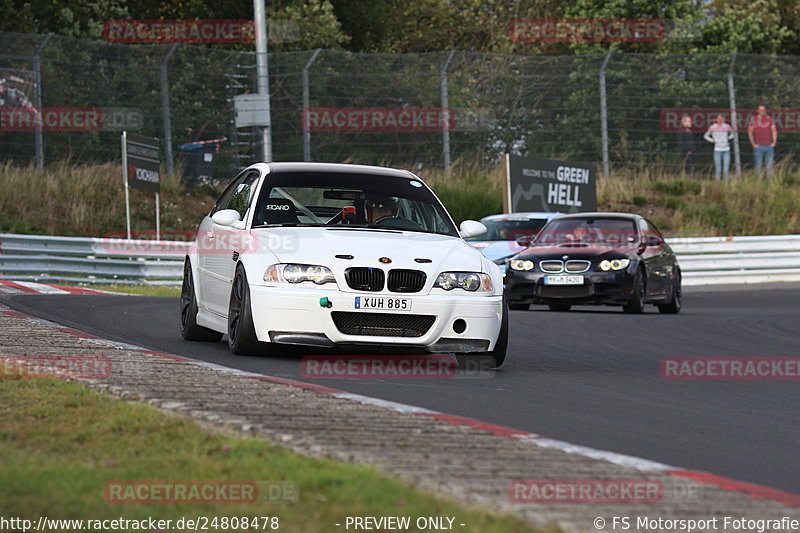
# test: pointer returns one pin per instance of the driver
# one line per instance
(379, 207)
(581, 233)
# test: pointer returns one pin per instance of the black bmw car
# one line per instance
(596, 258)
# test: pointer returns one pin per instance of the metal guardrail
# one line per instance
(703, 260)
(91, 260)
(738, 260)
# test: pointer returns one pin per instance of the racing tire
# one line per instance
(674, 305)
(242, 339)
(636, 305)
(560, 307)
(189, 328)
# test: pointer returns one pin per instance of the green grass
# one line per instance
(678, 187)
(749, 205)
(141, 290)
(468, 193)
(88, 200)
(60, 443)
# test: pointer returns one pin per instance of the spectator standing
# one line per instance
(720, 133)
(763, 136)
(686, 144)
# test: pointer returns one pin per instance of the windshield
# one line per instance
(350, 200)
(588, 231)
(509, 230)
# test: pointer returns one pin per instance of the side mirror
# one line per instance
(654, 240)
(471, 228)
(650, 240)
(524, 240)
(226, 217)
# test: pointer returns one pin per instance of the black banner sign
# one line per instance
(143, 162)
(536, 184)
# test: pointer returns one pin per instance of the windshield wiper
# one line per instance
(289, 225)
(363, 226)
(388, 228)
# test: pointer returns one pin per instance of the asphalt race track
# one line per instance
(590, 376)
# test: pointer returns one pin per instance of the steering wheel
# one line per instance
(390, 221)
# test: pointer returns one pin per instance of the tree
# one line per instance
(754, 27)
(313, 23)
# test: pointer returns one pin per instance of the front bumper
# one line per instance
(603, 288)
(294, 315)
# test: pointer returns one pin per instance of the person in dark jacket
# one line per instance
(686, 144)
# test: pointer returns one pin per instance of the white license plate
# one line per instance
(563, 280)
(382, 302)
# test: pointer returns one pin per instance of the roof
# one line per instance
(282, 168)
(521, 216)
(602, 214)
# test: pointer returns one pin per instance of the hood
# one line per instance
(320, 246)
(496, 250)
(578, 251)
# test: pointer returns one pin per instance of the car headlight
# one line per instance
(614, 264)
(292, 273)
(468, 281)
(521, 264)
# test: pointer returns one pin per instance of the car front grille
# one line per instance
(577, 291)
(552, 266)
(575, 266)
(406, 280)
(382, 324)
(364, 278)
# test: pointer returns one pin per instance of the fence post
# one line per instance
(37, 69)
(262, 75)
(165, 112)
(307, 104)
(446, 110)
(734, 119)
(604, 113)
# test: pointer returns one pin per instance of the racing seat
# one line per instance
(277, 211)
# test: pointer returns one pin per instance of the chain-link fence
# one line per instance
(616, 110)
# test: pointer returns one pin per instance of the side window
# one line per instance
(645, 230)
(243, 195)
(653, 230)
(225, 197)
(240, 194)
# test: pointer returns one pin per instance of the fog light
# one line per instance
(459, 325)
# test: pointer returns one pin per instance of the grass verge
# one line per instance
(89, 201)
(60, 443)
(141, 290)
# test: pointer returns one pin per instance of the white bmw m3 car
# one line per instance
(334, 255)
